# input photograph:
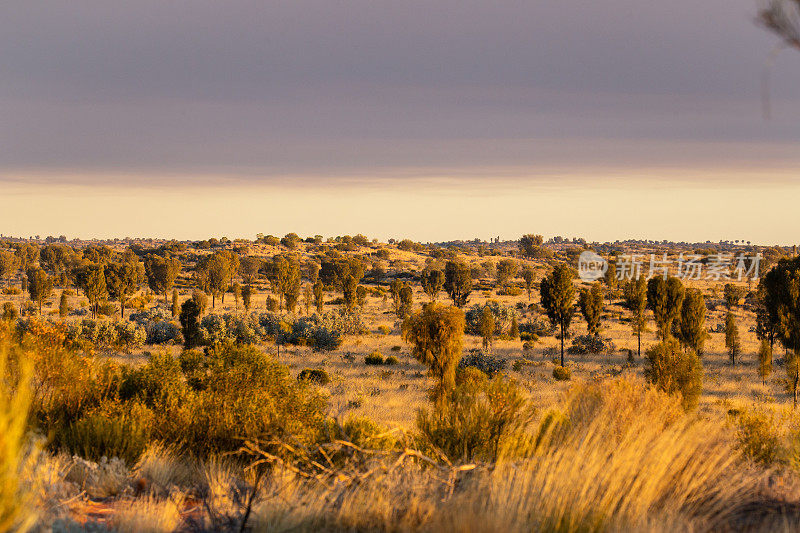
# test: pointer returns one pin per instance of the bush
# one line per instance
(480, 419)
(102, 434)
(483, 361)
(317, 376)
(395, 348)
(375, 358)
(391, 361)
(562, 373)
(384, 330)
(536, 327)
(586, 344)
(675, 371)
(510, 290)
(503, 316)
(9, 291)
(758, 438)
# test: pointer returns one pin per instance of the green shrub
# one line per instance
(485, 362)
(675, 371)
(562, 373)
(366, 433)
(124, 434)
(391, 360)
(317, 376)
(759, 439)
(375, 358)
(480, 419)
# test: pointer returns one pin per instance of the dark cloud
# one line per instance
(325, 87)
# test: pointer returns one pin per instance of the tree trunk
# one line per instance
(122, 307)
(639, 335)
(562, 343)
(213, 300)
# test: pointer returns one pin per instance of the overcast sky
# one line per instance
(486, 97)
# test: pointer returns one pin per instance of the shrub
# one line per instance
(317, 376)
(391, 361)
(9, 312)
(537, 327)
(510, 290)
(375, 358)
(758, 438)
(395, 348)
(503, 315)
(384, 330)
(562, 373)
(675, 371)
(483, 361)
(124, 435)
(9, 291)
(586, 344)
(480, 419)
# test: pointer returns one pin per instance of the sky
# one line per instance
(434, 120)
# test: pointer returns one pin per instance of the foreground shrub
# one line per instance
(759, 438)
(675, 371)
(108, 434)
(586, 344)
(480, 419)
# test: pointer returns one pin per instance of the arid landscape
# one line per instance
(399, 267)
(280, 385)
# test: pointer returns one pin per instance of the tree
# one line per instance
(394, 289)
(349, 292)
(674, 371)
(514, 330)
(161, 273)
(56, 257)
(665, 299)
(218, 274)
(319, 296)
(529, 245)
(63, 305)
(123, 280)
(94, 287)
(406, 301)
(732, 342)
(190, 323)
(249, 267)
(635, 294)
(457, 282)
(486, 327)
(247, 294)
(28, 255)
(692, 324)
(432, 282)
(287, 279)
(176, 309)
(558, 299)
(201, 300)
(764, 360)
(40, 286)
(529, 276)
(732, 294)
(361, 296)
(236, 289)
(436, 334)
(506, 270)
(308, 297)
(610, 277)
(9, 263)
(591, 304)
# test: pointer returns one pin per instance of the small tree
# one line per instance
(792, 364)
(732, 294)
(486, 327)
(247, 295)
(529, 276)
(514, 330)
(287, 279)
(176, 309)
(40, 286)
(161, 273)
(506, 270)
(635, 295)
(457, 282)
(665, 298)
(674, 370)
(248, 268)
(732, 342)
(63, 305)
(692, 324)
(236, 289)
(308, 297)
(558, 299)
(123, 280)
(610, 277)
(432, 283)
(529, 244)
(764, 360)
(436, 334)
(350, 292)
(94, 287)
(591, 304)
(190, 323)
(319, 296)
(9, 263)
